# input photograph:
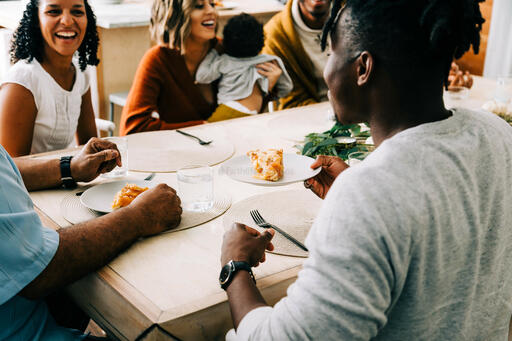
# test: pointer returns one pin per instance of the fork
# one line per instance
(258, 219)
(201, 142)
(150, 177)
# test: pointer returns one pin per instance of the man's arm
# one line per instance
(86, 247)
(243, 243)
(96, 157)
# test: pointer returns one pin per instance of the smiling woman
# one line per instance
(45, 98)
(164, 94)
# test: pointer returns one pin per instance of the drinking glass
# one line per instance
(356, 157)
(122, 146)
(195, 188)
(503, 91)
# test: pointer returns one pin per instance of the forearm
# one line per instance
(243, 296)
(39, 174)
(86, 247)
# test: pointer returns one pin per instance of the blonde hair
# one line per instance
(170, 22)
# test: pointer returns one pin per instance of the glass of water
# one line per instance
(356, 157)
(122, 146)
(195, 188)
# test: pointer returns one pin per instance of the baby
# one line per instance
(241, 88)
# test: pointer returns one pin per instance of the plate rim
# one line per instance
(84, 194)
(258, 182)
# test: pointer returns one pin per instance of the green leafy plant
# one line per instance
(327, 143)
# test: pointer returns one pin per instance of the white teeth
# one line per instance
(66, 34)
(208, 22)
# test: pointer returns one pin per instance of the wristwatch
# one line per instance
(65, 172)
(228, 272)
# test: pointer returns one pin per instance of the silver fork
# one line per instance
(201, 142)
(258, 219)
(150, 177)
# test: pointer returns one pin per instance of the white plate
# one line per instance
(100, 197)
(296, 168)
(226, 5)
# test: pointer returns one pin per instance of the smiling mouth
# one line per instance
(208, 23)
(66, 35)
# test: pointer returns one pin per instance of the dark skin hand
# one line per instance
(96, 157)
(242, 243)
(332, 166)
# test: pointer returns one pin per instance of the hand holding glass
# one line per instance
(122, 146)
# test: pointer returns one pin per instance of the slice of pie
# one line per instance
(126, 195)
(268, 164)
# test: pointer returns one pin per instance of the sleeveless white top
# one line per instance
(58, 110)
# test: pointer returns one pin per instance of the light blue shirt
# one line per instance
(26, 248)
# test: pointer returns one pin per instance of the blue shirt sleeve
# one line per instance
(26, 246)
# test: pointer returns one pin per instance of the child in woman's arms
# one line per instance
(246, 76)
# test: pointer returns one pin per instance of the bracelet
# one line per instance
(65, 172)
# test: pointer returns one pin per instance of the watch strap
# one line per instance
(65, 172)
(234, 267)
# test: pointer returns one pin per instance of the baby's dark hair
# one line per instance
(243, 36)
(408, 34)
(27, 41)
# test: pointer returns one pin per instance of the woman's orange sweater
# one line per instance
(163, 85)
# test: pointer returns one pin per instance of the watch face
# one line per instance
(224, 273)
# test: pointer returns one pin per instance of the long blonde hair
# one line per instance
(170, 22)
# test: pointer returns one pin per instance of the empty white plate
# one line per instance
(296, 168)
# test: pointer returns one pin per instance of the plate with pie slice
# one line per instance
(295, 168)
(101, 197)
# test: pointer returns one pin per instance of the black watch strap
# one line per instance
(228, 272)
(65, 172)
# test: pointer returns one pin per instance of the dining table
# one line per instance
(166, 286)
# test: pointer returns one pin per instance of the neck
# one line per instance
(314, 23)
(396, 114)
(56, 64)
(195, 51)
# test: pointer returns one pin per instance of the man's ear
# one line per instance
(364, 67)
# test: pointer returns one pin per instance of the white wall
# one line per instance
(498, 59)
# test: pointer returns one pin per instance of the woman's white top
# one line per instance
(58, 110)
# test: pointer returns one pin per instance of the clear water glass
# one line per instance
(356, 157)
(503, 91)
(122, 146)
(195, 188)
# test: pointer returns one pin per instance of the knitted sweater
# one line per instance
(282, 40)
(163, 86)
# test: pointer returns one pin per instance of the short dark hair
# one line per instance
(411, 33)
(27, 41)
(243, 36)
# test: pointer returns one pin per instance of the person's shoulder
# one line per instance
(160, 53)
(485, 119)
(23, 68)
(26, 74)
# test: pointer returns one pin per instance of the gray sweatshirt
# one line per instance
(238, 75)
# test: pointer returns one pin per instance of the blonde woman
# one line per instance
(164, 94)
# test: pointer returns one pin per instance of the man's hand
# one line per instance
(160, 207)
(332, 166)
(272, 71)
(96, 157)
(242, 243)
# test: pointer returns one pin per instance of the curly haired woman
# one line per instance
(45, 98)
(164, 94)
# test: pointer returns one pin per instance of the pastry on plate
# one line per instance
(268, 164)
(126, 195)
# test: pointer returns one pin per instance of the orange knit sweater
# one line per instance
(164, 85)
